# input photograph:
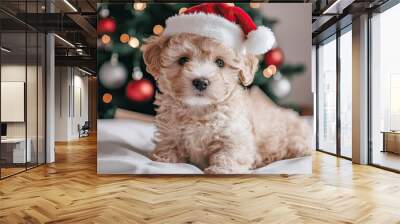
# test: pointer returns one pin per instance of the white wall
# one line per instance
(62, 81)
(294, 37)
(71, 87)
(79, 117)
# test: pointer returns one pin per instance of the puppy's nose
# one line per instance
(201, 83)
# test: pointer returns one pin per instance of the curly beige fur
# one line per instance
(226, 128)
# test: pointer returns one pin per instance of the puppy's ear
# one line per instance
(248, 68)
(152, 54)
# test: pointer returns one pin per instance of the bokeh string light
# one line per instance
(134, 42)
(105, 39)
(182, 10)
(124, 38)
(255, 5)
(158, 29)
(140, 6)
(269, 71)
(107, 98)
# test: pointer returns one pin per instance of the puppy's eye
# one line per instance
(183, 60)
(220, 63)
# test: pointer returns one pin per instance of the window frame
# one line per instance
(333, 37)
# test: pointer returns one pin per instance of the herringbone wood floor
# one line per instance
(70, 191)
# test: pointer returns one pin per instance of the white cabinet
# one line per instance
(15, 148)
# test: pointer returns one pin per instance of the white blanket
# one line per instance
(123, 146)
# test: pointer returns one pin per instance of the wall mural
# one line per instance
(199, 89)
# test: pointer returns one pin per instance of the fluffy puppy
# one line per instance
(207, 118)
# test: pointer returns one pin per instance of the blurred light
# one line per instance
(5, 49)
(255, 5)
(124, 38)
(134, 42)
(273, 69)
(269, 71)
(79, 51)
(231, 4)
(105, 39)
(139, 6)
(182, 10)
(107, 98)
(70, 5)
(84, 71)
(64, 40)
(158, 29)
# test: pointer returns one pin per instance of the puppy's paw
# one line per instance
(216, 170)
(225, 170)
(167, 156)
(299, 148)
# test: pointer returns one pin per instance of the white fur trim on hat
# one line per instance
(259, 41)
(209, 25)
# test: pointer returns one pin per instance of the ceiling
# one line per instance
(328, 15)
(72, 20)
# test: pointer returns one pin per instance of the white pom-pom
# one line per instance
(259, 41)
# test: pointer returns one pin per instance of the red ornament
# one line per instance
(274, 57)
(141, 90)
(107, 25)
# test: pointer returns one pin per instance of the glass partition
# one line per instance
(327, 95)
(22, 101)
(385, 89)
(334, 95)
(14, 143)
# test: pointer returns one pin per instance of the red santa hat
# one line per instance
(229, 24)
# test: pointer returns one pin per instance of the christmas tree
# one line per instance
(123, 80)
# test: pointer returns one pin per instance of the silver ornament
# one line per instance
(113, 74)
(104, 12)
(280, 85)
(137, 73)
